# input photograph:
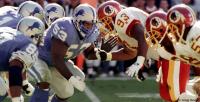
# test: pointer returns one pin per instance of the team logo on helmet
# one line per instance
(109, 10)
(175, 16)
(80, 12)
(35, 11)
(35, 25)
(53, 9)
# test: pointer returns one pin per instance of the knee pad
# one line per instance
(61, 86)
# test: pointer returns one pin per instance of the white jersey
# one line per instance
(189, 51)
(125, 19)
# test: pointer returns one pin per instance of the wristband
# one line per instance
(108, 56)
(140, 60)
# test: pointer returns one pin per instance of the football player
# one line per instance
(10, 16)
(19, 52)
(71, 35)
(183, 31)
(128, 25)
(173, 73)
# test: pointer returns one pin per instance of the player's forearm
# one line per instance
(123, 54)
(139, 36)
(61, 67)
(120, 55)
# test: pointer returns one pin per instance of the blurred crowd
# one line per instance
(113, 68)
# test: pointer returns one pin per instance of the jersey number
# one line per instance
(32, 50)
(195, 45)
(61, 34)
(76, 49)
(124, 20)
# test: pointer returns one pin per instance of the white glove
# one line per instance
(28, 88)
(134, 68)
(77, 82)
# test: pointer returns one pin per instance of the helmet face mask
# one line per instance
(156, 27)
(87, 27)
(107, 12)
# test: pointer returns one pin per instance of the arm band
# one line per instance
(108, 56)
(15, 76)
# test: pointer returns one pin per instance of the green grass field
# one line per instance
(118, 91)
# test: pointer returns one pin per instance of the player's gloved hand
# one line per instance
(103, 55)
(27, 88)
(109, 44)
(135, 69)
(77, 82)
(140, 77)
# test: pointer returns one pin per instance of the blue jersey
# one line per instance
(15, 45)
(9, 17)
(64, 30)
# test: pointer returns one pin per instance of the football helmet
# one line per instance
(31, 27)
(30, 8)
(85, 19)
(178, 18)
(107, 12)
(52, 12)
(156, 25)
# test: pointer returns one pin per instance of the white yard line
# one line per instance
(91, 95)
(138, 95)
(120, 78)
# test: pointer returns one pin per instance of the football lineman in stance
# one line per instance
(183, 31)
(19, 52)
(10, 16)
(173, 73)
(128, 25)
